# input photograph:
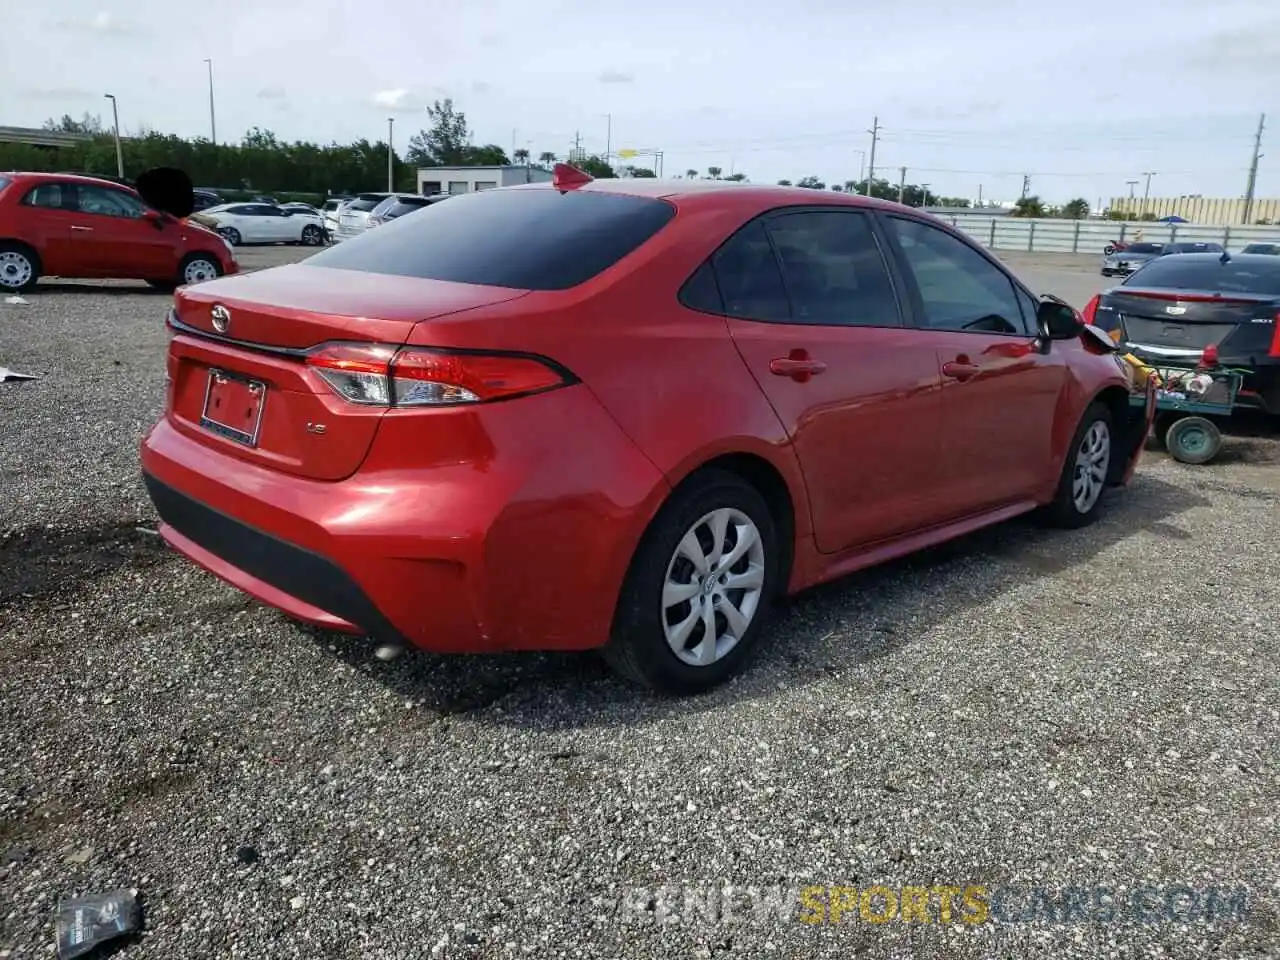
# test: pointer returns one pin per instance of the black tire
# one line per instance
(312, 236)
(1193, 440)
(1109, 249)
(638, 648)
(1064, 511)
(231, 235)
(19, 267)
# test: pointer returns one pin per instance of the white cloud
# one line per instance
(272, 93)
(614, 76)
(58, 93)
(399, 100)
(101, 23)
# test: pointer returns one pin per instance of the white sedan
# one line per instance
(266, 223)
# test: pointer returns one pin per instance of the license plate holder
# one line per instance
(233, 407)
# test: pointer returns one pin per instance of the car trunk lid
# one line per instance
(237, 367)
(1181, 323)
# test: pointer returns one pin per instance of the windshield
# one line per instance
(1211, 274)
(529, 239)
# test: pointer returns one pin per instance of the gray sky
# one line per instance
(1083, 95)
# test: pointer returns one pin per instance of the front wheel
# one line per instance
(199, 267)
(1084, 474)
(1109, 249)
(312, 236)
(699, 589)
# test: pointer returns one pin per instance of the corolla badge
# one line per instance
(1176, 311)
(221, 318)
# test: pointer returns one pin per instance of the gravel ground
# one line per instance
(1022, 707)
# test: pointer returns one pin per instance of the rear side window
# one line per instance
(105, 202)
(524, 239)
(833, 269)
(55, 196)
(364, 204)
(747, 273)
(1211, 274)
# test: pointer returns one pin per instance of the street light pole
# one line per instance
(925, 202)
(608, 136)
(391, 167)
(1146, 194)
(115, 117)
(213, 126)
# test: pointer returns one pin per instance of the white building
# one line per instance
(470, 179)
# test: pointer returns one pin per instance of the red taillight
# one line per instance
(1275, 339)
(1091, 308)
(417, 377)
(1209, 358)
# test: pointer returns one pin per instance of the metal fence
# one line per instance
(1091, 236)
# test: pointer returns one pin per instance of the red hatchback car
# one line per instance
(622, 414)
(54, 224)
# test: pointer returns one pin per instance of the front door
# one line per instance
(815, 314)
(123, 241)
(999, 391)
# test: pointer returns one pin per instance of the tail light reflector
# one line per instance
(1091, 308)
(422, 377)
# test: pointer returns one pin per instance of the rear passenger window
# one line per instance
(833, 269)
(700, 291)
(748, 276)
(52, 195)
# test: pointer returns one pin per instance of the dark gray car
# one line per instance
(1127, 261)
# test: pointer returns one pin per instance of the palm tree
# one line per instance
(521, 156)
(713, 173)
(546, 158)
(691, 174)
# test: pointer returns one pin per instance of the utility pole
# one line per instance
(577, 147)
(1253, 170)
(871, 164)
(979, 195)
(115, 116)
(1146, 193)
(1026, 185)
(391, 157)
(902, 183)
(608, 136)
(925, 202)
(1132, 184)
(213, 124)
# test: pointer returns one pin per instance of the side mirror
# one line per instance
(1058, 320)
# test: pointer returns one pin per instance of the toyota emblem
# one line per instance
(221, 318)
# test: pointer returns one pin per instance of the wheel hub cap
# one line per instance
(1093, 459)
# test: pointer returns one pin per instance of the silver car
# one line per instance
(1126, 261)
(353, 217)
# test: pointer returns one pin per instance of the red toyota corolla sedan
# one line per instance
(623, 414)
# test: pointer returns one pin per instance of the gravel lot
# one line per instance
(1021, 707)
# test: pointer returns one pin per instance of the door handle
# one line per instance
(82, 229)
(797, 365)
(961, 368)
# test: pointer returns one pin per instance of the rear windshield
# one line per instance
(1270, 248)
(527, 239)
(364, 204)
(1212, 274)
(1196, 247)
(1145, 248)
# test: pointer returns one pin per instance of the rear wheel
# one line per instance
(1084, 475)
(1193, 440)
(231, 235)
(19, 267)
(699, 589)
(312, 236)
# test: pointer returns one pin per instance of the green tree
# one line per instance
(1077, 209)
(64, 124)
(959, 203)
(521, 157)
(781, 183)
(446, 143)
(1117, 215)
(691, 174)
(642, 173)
(1030, 206)
(546, 159)
(811, 183)
(837, 188)
(713, 173)
(595, 166)
(737, 177)
(490, 155)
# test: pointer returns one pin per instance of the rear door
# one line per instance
(46, 215)
(813, 308)
(999, 392)
(126, 244)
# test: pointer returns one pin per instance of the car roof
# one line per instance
(1266, 259)
(748, 194)
(28, 176)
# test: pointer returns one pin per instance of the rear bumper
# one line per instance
(515, 537)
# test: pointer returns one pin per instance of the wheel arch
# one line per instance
(1125, 423)
(26, 247)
